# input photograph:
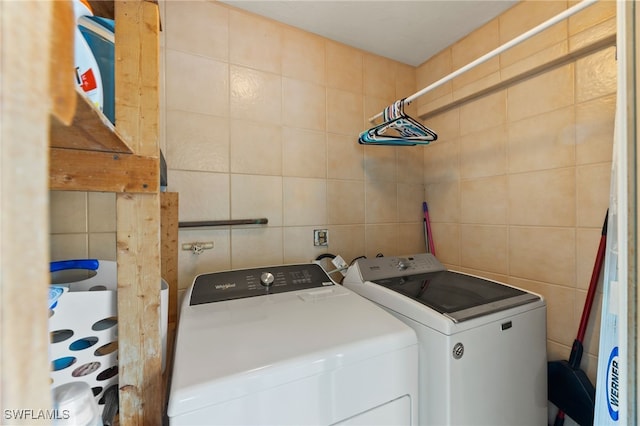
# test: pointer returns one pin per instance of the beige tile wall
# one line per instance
(518, 181)
(261, 120)
(82, 225)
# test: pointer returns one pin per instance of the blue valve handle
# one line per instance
(61, 265)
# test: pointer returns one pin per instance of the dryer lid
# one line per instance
(458, 296)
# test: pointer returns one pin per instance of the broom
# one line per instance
(569, 387)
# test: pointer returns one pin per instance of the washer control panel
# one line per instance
(379, 268)
(242, 283)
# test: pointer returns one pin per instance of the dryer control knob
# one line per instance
(402, 266)
(266, 279)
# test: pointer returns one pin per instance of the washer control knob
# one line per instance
(266, 279)
(402, 265)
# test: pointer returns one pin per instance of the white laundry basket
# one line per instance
(83, 325)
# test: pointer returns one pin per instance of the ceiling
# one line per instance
(406, 31)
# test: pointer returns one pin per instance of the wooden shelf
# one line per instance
(90, 131)
(91, 154)
(105, 8)
(102, 8)
(79, 170)
(86, 155)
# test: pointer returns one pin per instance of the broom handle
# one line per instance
(576, 350)
(559, 421)
(427, 221)
(595, 275)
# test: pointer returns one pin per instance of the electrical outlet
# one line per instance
(320, 237)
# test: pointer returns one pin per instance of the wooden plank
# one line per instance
(169, 238)
(105, 8)
(166, 379)
(74, 170)
(139, 349)
(137, 61)
(102, 8)
(138, 224)
(89, 130)
(25, 31)
(61, 64)
(169, 271)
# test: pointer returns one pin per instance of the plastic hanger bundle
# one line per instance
(397, 129)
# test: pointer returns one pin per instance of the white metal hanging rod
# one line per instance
(522, 37)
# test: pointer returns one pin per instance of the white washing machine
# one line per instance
(284, 345)
(482, 344)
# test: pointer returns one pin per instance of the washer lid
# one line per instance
(456, 295)
(229, 349)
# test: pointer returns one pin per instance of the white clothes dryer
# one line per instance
(482, 343)
(285, 345)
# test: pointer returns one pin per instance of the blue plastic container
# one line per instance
(99, 34)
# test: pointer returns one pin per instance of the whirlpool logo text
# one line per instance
(225, 286)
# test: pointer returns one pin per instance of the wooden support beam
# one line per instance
(61, 63)
(169, 271)
(137, 64)
(138, 218)
(104, 8)
(24, 245)
(139, 349)
(169, 238)
(76, 170)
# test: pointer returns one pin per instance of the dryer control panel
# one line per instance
(393, 266)
(242, 283)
